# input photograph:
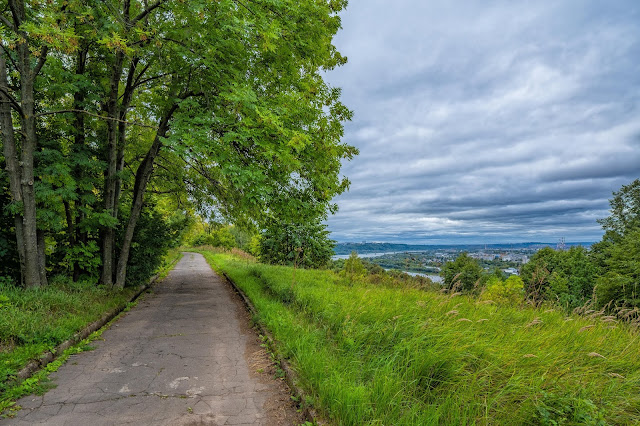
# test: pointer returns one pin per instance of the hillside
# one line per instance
(367, 248)
(388, 354)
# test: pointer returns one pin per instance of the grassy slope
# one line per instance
(377, 355)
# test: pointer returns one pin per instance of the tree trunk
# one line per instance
(11, 160)
(75, 216)
(127, 97)
(143, 174)
(42, 257)
(110, 180)
(33, 277)
(22, 179)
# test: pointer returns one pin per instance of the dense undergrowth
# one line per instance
(379, 354)
(33, 321)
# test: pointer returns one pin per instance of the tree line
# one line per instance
(606, 274)
(119, 117)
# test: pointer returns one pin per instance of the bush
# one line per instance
(563, 277)
(509, 291)
(155, 234)
(464, 274)
(301, 244)
(353, 268)
(220, 237)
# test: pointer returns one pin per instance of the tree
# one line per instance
(625, 211)
(618, 253)
(509, 291)
(565, 277)
(463, 274)
(28, 35)
(353, 267)
(298, 244)
(217, 102)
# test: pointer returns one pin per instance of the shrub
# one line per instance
(354, 268)
(463, 274)
(300, 244)
(509, 291)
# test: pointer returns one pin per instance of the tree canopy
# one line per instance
(119, 110)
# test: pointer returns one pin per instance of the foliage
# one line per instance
(86, 256)
(208, 106)
(9, 262)
(509, 291)
(620, 281)
(353, 268)
(304, 244)
(254, 245)
(242, 237)
(625, 211)
(565, 277)
(156, 233)
(618, 253)
(376, 354)
(463, 274)
(219, 237)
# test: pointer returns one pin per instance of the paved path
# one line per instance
(183, 356)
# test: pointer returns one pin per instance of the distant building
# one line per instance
(511, 271)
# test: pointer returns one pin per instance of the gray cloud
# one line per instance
(482, 121)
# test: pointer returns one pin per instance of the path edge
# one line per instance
(47, 357)
(290, 375)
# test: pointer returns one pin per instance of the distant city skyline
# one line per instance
(487, 121)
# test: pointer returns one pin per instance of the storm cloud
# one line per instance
(487, 121)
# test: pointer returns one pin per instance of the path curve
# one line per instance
(184, 356)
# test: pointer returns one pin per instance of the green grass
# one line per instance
(36, 320)
(373, 354)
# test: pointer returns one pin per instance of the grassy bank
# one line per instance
(372, 354)
(34, 321)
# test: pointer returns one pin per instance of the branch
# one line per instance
(7, 23)
(146, 80)
(15, 14)
(179, 43)
(65, 111)
(141, 73)
(275, 12)
(11, 100)
(43, 59)
(245, 6)
(147, 11)
(8, 54)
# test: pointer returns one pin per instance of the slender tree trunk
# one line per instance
(143, 174)
(11, 160)
(110, 180)
(74, 216)
(127, 97)
(24, 171)
(42, 257)
(33, 276)
(71, 230)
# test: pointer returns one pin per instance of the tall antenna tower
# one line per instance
(562, 246)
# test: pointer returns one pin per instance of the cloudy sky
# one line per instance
(487, 121)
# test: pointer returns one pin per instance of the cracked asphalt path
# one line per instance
(184, 356)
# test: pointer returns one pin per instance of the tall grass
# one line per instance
(36, 320)
(371, 354)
